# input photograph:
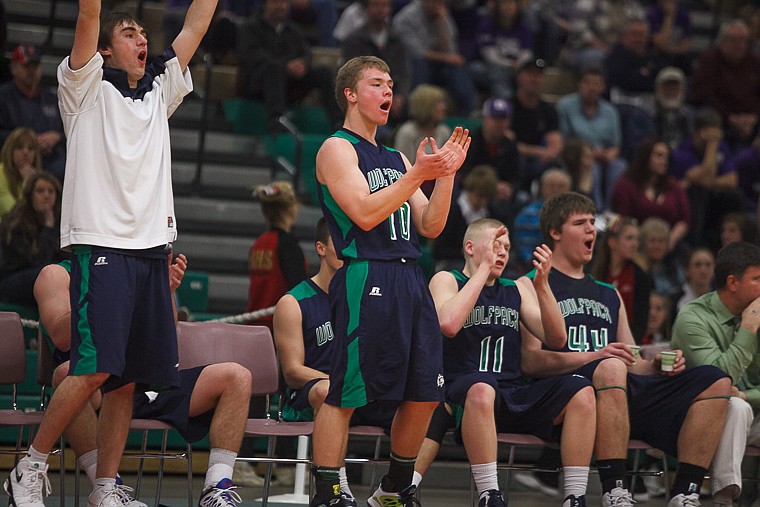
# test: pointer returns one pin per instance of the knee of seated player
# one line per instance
(91, 381)
(610, 372)
(583, 403)
(480, 397)
(719, 388)
(318, 393)
(60, 373)
(237, 380)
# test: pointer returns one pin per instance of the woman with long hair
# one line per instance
(614, 263)
(645, 190)
(29, 238)
(20, 157)
(427, 110)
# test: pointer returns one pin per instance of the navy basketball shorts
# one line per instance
(377, 413)
(658, 405)
(122, 322)
(520, 407)
(297, 407)
(388, 342)
(173, 406)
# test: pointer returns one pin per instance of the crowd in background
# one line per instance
(663, 138)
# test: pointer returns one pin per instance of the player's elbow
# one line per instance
(449, 329)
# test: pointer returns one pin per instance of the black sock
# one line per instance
(400, 474)
(326, 481)
(688, 479)
(611, 472)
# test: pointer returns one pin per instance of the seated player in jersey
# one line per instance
(210, 400)
(480, 316)
(304, 339)
(681, 412)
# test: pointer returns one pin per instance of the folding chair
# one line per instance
(370, 432)
(13, 372)
(251, 346)
(513, 440)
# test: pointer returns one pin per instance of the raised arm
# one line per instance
(539, 310)
(196, 25)
(85, 34)
(288, 338)
(337, 167)
(453, 305)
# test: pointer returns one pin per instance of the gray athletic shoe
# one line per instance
(618, 497)
(682, 500)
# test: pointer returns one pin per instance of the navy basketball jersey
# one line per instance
(590, 308)
(393, 238)
(315, 324)
(489, 341)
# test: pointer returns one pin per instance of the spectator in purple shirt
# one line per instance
(670, 26)
(747, 164)
(504, 40)
(703, 165)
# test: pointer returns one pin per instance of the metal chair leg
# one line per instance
(189, 476)
(161, 467)
(271, 445)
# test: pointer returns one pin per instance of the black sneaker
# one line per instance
(341, 500)
(492, 498)
(574, 501)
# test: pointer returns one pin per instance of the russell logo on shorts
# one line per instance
(375, 291)
(101, 261)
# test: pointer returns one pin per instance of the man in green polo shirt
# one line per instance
(720, 329)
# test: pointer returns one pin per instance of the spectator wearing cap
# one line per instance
(673, 118)
(24, 103)
(492, 144)
(534, 122)
(727, 78)
(504, 40)
(587, 115)
(704, 167)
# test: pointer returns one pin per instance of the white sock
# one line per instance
(576, 480)
(486, 477)
(35, 456)
(89, 463)
(344, 482)
(220, 465)
(417, 478)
